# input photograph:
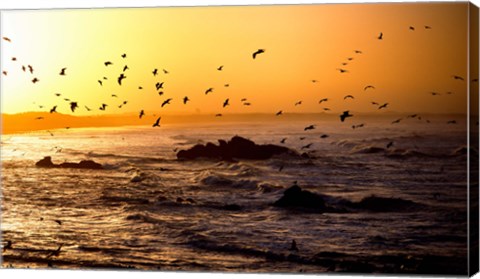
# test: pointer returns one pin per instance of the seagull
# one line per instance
(141, 114)
(108, 63)
(298, 103)
(155, 71)
(226, 103)
(124, 55)
(122, 76)
(165, 71)
(73, 106)
(220, 68)
(99, 81)
(160, 93)
(314, 80)
(368, 86)
(375, 103)
(323, 100)
(54, 109)
(358, 51)
(358, 126)
(324, 136)
(125, 68)
(247, 104)
(88, 108)
(62, 72)
(311, 127)
(35, 80)
(226, 85)
(23, 68)
(218, 115)
(279, 113)
(39, 118)
(140, 87)
(257, 52)
(345, 115)
(390, 144)
(243, 100)
(350, 58)
(307, 146)
(435, 93)
(208, 90)
(342, 70)
(103, 106)
(383, 106)
(348, 96)
(412, 116)
(7, 39)
(158, 85)
(411, 28)
(14, 58)
(157, 123)
(457, 77)
(185, 100)
(30, 68)
(427, 27)
(67, 99)
(380, 37)
(166, 102)
(57, 94)
(115, 96)
(396, 121)
(4, 72)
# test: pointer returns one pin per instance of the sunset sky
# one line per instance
(302, 43)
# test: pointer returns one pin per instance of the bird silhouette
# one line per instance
(124, 55)
(243, 100)
(390, 144)
(412, 116)
(24, 68)
(101, 83)
(358, 51)
(435, 93)
(368, 87)
(14, 58)
(323, 100)
(452, 122)
(396, 121)
(140, 87)
(458, 77)
(57, 94)
(125, 68)
(7, 39)
(155, 72)
(324, 136)
(358, 126)
(165, 71)
(342, 70)
(115, 96)
(375, 103)
(348, 96)
(159, 85)
(142, 113)
(307, 146)
(350, 58)
(166, 102)
(208, 90)
(103, 107)
(67, 99)
(298, 103)
(310, 127)
(383, 106)
(62, 72)
(283, 140)
(226, 103)
(185, 100)
(247, 104)
(314, 80)
(87, 108)
(35, 80)
(157, 123)
(345, 115)
(108, 63)
(73, 106)
(254, 55)
(4, 72)
(411, 28)
(380, 37)
(428, 27)
(120, 78)
(39, 118)
(54, 109)
(226, 85)
(218, 115)
(30, 68)
(326, 109)
(302, 138)
(58, 221)
(160, 93)
(220, 68)
(279, 113)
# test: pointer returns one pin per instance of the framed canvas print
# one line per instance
(328, 138)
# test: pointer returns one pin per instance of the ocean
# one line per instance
(149, 211)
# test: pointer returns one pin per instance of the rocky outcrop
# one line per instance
(46, 162)
(237, 147)
(296, 197)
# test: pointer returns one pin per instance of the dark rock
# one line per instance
(296, 197)
(237, 147)
(46, 162)
(380, 204)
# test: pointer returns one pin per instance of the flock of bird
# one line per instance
(159, 86)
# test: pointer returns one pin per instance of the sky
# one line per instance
(302, 43)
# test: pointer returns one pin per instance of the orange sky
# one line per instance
(302, 43)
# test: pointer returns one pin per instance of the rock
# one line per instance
(46, 162)
(380, 204)
(296, 197)
(237, 147)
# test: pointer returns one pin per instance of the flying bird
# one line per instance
(208, 90)
(324, 136)
(226, 103)
(323, 100)
(103, 106)
(345, 115)
(457, 77)
(125, 68)
(435, 93)
(108, 63)
(283, 140)
(247, 104)
(220, 68)
(159, 85)
(165, 71)
(39, 118)
(157, 123)
(428, 27)
(342, 70)
(14, 58)
(368, 87)
(7, 39)
(62, 72)
(452, 122)
(383, 106)
(120, 78)
(226, 85)
(325, 109)
(218, 115)
(155, 72)
(99, 81)
(166, 102)
(124, 55)
(358, 51)
(396, 121)
(390, 144)
(298, 103)
(87, 108)
(57, 94)
(254, 55)
(30, 68)
(160, 93)
(411, 28)
(185, 100)
(54, 109)
(375, 103)
(311, 127)
(348, 96)
(142, 113)
(307, 146)
(350, 58)
(4, 72)
(73, 106)
(35, 80)
(279, 113)
(115, 96)
(24, 68)
(412, 116)
(380, 37)
(358, 126)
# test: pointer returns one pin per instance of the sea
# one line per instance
(147, 210)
